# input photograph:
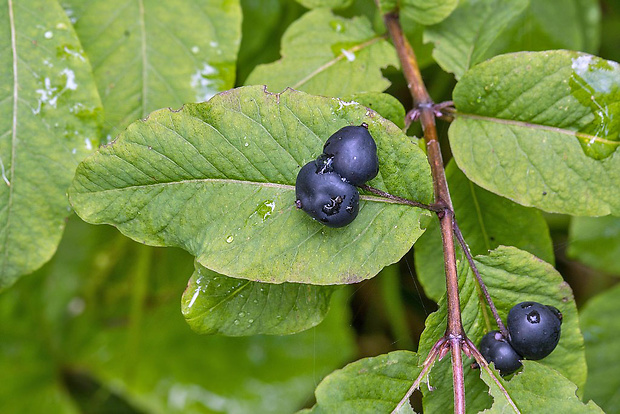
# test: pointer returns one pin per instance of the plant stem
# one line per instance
(424, 103)
(485, 292)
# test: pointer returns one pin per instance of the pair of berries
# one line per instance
(534, 332)
(325, 187)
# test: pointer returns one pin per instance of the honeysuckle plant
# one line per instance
(185, 124)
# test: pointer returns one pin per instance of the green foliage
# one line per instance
(370, 385)
(213, 303)
(511, 275)
(535, 127)
(595, 241)
(50, 121)
(332, 4)
(235, 160)
(600, 325)
(479, 30)
(483, 218)
(329, 55)
(121, 327)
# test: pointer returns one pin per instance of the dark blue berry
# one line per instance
(534, 329)
(325, 196)
(495, 348)
(353, 154)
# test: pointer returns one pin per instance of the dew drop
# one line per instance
(236, 321)
(230, 239)
(48, 34)
(241, 314)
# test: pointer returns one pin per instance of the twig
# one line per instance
(484, 365)
(435, 351)
(401, 200)
(485, 292)
(424, 103)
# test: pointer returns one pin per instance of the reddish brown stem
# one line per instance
(424, 103)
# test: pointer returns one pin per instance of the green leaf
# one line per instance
(542, 129)
(370, 385)
(537, 389)
(329, 55)
(49, 123)
(151, 54)
(511, 276)
(478, 30)
(213, 303)
(600, 325)
(486, 221)
(385, 104)
(595, 241)
(470, 34)
(332, 4)
(217, 179)
(427, 12)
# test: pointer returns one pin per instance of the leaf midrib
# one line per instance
(522, 124)
(13, 139)
(226, 181)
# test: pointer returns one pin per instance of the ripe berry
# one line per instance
(494, 348)
(354, 154)
(534, 329)
(325, 196)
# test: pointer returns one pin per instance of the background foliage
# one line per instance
(96, 323)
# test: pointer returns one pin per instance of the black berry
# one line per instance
(353, 154)
(325, 196)
(534, 329)
(495, 348)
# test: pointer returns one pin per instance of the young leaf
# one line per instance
(370, 385)
(595, 241)
(329, 55)
(542, 129)
(150, 54)
(537, 389)
(384, 104)
(49, 121)
(217, 179)
(486, 221)
(427, 12)
(600, 325)
(511, 276)
(216, 304)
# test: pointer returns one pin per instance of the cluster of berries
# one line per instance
(534, 332)
(325, 187)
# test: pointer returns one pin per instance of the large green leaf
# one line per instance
(511, 276)
(537, 389)
(427, 12)
(217, 179)
(106, 310)
(151, 54)
(49, 123)
(332, 4)
(370, 385)
(600, 325)
(478, 30)
(213, 303)
(595, 241)
(542, 129)
(486, 221)
(329, 55)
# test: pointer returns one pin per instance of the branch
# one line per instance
(424, 103)
(485, 292)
